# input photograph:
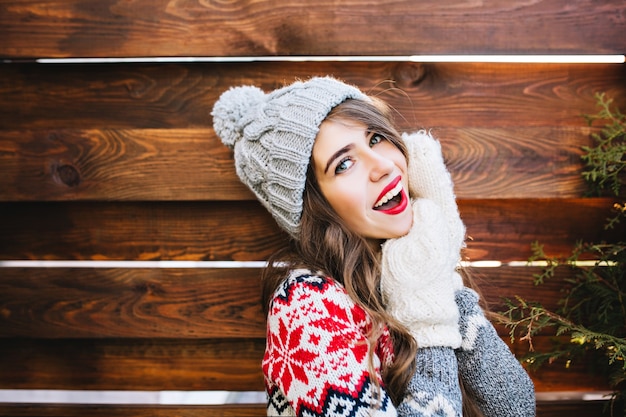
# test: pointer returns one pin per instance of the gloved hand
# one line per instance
(429, 178)
(418, 275)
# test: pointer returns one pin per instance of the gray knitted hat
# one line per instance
(272, 136)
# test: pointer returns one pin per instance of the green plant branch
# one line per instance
(605, 161)
(592, 311)
(533, 318)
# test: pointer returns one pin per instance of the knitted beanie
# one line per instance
(272, 136)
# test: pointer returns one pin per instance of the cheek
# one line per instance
(348, 202)
(406, 222)
(401, 162)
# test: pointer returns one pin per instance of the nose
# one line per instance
(380, 166)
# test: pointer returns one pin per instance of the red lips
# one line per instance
(400, 205)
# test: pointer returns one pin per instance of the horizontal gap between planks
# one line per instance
(131, 264)
(554, 59)
(130, 397)
(245, 264)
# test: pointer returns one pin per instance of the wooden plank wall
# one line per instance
(118, 161)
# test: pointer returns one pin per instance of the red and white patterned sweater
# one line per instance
(316, 357)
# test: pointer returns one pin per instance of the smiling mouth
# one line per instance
(391, 199)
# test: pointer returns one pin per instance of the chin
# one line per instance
(396, 233)
(400, 231)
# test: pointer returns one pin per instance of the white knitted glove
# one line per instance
(418, 276)
(429, 178)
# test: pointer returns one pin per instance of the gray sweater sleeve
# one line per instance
(487, 367)
(434, 388)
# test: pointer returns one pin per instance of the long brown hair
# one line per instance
(329, 247)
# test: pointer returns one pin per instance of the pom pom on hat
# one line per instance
(232, 110)
(272, 136)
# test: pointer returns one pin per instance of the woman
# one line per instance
(366, 313)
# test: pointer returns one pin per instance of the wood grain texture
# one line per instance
(184, 303)
(133, 364)
(193, 164)
(504, 229)
(210, 231)
(167, 364)
(106, 28)
(148, 164)
(498, 229)
(180, 96)
(131, 303)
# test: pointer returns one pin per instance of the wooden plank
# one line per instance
(132, 364)
(496, 285)
(102, 302)
(207, 231)
(182, 95)
(571, 408)
(243, 231)
(149, 164)
(183, 303)
(87, 28)
(515, 162)
(193, 164)
(114, 410)
(504, 229)
(196, 365)
(558, 378)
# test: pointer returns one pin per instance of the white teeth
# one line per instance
(391, 194)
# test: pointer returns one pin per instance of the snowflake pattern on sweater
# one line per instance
(316, 357)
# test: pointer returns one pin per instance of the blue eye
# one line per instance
(376, 139)
(343, 165)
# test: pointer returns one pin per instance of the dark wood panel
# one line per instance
(160, 28)
(182, 95)
(183, 303)
(243, 231)
(192, 164)
(153, 365)
(150, 164)
(132, 364)
(138, 231)
(544, 409)
(571, 408)
(496, 285)
(558, 376)
(515, 162)
(69, 410)
(102, 302)
(504, 229)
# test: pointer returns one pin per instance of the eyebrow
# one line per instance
(337, 155)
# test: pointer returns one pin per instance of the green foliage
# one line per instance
(605, 161)
(592, 311)
(590, 320)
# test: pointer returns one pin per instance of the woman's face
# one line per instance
(364, 178)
